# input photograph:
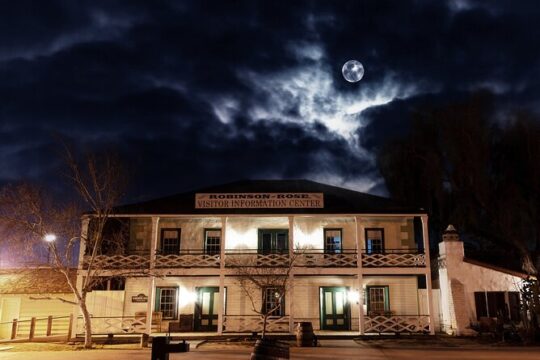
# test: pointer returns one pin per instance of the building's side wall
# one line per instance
(40, 309)
(477, 278)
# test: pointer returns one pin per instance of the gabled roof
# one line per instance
(34, 281)
(336, 200)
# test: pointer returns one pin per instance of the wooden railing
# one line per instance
(114, 325)
(394, 258)
(188, 258)
(118, 261)
(396, 324)
(254, 323)
(38, 327)
(320, 258)
(254, 257)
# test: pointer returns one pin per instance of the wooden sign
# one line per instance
(259, 201)
(139, 298)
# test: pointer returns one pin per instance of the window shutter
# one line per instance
(386, 298)
(158, 300)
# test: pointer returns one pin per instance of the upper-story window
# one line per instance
(374, 240)
(273, 241)
(212, 241)
(170, 241)
(333, 241)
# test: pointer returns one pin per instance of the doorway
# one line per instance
(206, 317)
(335, 309)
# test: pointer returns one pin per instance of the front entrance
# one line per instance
(206, 317)
(335, 310)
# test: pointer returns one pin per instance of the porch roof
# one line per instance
(336, 200)
(34, 281)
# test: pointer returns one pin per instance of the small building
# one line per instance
(360, 261)
(472, 290)
(34, 293)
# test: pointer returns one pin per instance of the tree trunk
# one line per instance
(264, 326)
(87, 324)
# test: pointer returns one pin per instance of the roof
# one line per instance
(34, 281)
(496, 268)
(336, 200)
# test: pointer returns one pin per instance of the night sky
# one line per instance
(194, 93)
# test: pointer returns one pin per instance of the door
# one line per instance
(206, 317)
(335, 310)
(9, 310)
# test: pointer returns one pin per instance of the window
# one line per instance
(212, 241)
(167, 302)
(273, 241)
(495, 304)
(378, 299)
(170, 241)
(332, 241)
(374, 241)
(114, 283)
(272, 297)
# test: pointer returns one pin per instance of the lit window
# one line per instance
(167, 302)
(332, 241)
(377, 299)
(212, 241)
(272, 297)
(374, 241)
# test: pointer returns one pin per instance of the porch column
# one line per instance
(221, 307)
(80, 271)
(290, 291)
(425, 236)
(359, 278)
(151, 282)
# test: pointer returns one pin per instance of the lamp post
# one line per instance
(50, 239)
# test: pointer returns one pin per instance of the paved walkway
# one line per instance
(336, 350)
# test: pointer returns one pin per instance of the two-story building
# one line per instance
(360, 261)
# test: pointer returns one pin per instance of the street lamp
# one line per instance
(49, 238)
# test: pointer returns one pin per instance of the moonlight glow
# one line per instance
(353, 71)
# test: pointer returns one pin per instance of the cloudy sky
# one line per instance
(193, 93)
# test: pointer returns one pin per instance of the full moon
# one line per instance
(353, 71)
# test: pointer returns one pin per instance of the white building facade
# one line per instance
(360, 264)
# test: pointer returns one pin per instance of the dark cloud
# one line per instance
(201, 92)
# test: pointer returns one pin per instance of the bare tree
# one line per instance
(254, 279)
(33, 221)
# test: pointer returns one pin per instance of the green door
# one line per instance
(335, 310)
(206, 317)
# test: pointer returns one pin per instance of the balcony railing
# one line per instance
(256, 257)
(118, 262)
(252, 323)
(394, 258)
(396, 324)
(320, 258)
(188, 258)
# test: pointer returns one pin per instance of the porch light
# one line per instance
(353, 296)
(187, 297)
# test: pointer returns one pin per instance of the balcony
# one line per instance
(394, 258)
(187, 258)
(129, 261)
(318, 258)
(254, 257)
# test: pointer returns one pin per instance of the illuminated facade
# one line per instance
(359, 262)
